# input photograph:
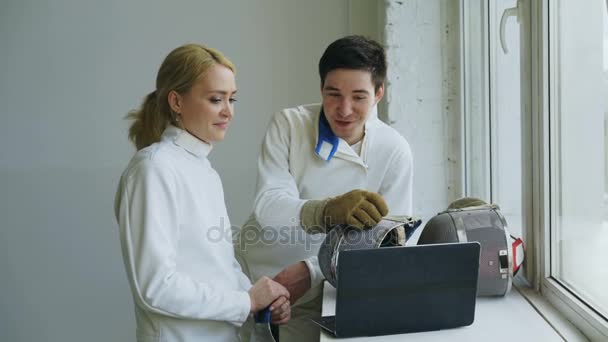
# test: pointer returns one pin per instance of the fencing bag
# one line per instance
(391, 231)
(471, 219)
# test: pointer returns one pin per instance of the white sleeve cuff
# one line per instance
(316, 276)
(245, 305)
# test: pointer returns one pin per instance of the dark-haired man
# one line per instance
(321, 165)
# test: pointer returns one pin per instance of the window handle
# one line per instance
(509, 12)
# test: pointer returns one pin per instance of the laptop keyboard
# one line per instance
(329, 322)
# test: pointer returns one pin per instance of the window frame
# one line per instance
(545, 101)
(537, 215)
(475, 103)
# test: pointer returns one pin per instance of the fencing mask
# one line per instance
(471, 219)
(391, 231)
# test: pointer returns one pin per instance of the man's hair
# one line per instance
(357, 53)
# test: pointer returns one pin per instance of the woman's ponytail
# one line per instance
(149, 122)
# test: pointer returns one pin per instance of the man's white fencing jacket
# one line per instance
(300, 160)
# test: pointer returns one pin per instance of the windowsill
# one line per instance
(549, 313)
(520, 315)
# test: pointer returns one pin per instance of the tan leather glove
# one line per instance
(358, 208)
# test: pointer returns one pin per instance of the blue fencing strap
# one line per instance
(327, 141)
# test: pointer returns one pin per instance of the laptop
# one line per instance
(396, 290)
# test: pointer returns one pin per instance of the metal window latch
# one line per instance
(509, 12)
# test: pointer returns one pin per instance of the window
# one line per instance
(536, 140)
(496, 87)
(578, 144)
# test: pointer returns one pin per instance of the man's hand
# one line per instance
(358, 208)
(296, 279)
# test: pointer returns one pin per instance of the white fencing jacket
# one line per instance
(301, 159)
(177, 244)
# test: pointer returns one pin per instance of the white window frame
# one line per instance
(475, 104)
(543, 98)
(545, 102)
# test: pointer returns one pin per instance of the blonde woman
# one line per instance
(174, 229)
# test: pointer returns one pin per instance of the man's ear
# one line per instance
(379, 93)
(175, 101)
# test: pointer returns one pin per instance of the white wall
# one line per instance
(69, 71)
(422, 98)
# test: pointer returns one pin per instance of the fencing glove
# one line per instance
(358, 208)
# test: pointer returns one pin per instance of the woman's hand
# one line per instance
(280, 310)
(264, 292)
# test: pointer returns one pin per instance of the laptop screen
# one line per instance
(406, 289)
